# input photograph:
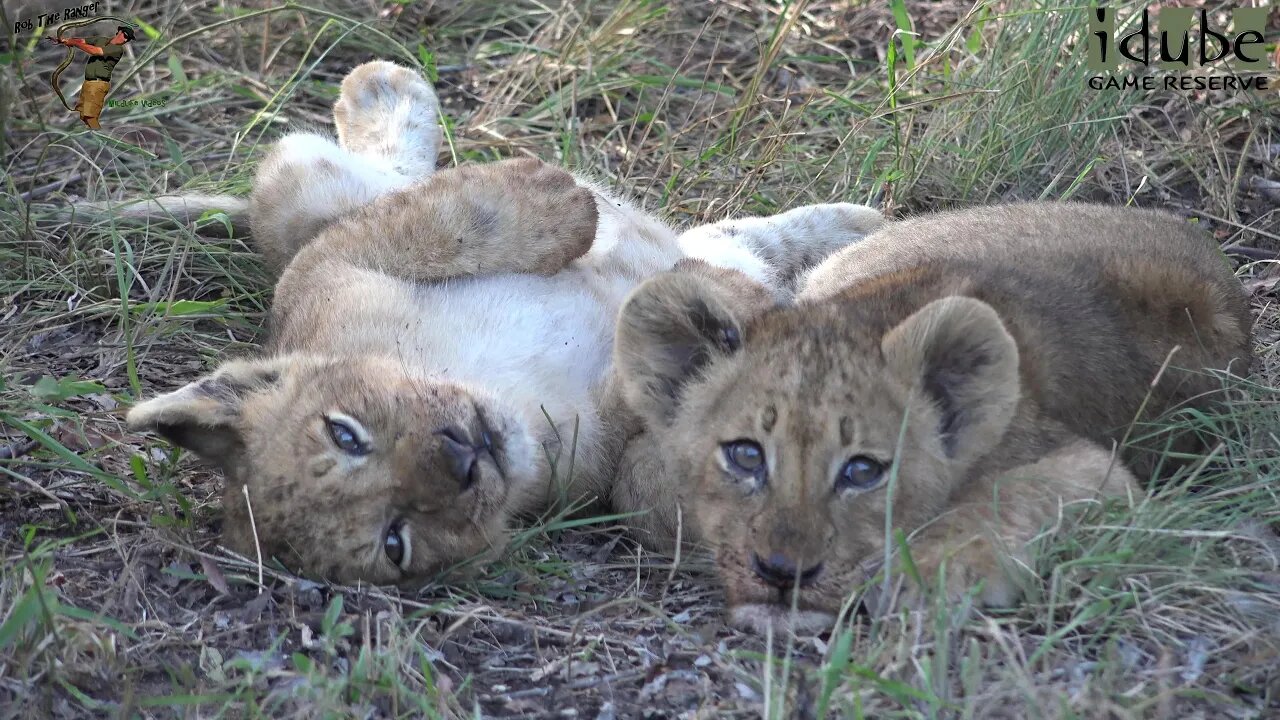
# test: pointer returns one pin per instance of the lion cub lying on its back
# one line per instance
(991, 355)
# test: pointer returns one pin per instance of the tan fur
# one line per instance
(459, 321)
(457, 223)
(1009, 347)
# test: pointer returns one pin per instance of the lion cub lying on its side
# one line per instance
(993, 355)
(424, 328)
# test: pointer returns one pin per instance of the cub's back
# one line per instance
(1035, 237)
(1096, 298)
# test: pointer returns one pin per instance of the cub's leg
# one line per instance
(304, 185)
(777, 250)
(510, 216)
(983, 538)
(389, 134)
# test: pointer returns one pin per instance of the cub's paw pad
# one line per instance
(847, 218)
(389, 111)
(378, 89)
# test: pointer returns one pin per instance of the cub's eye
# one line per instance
(744, 456)
(396, 544)
(347, 434)
(860, 473)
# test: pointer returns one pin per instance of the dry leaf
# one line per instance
(214, 575)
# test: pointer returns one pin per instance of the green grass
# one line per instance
(115, 599)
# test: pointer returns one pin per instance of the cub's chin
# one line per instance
(758, 617)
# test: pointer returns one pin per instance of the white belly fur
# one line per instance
(540, 347)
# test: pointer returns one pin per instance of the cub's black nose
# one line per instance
(461, 452)
(779, 571)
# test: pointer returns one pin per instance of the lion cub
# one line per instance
(957, 376)
(441, 341)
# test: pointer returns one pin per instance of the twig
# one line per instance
(253, 525)
(37, 487)
(10, 452)
(39, 192)
(675, 561)
(266, 40)
(582, 684)
(1234, 224)
(1251, 253)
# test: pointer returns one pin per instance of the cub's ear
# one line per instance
(957, 352)
(673, 326)
(204, 416)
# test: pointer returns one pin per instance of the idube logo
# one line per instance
(1186, 39)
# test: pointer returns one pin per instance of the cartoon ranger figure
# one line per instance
(104, 53)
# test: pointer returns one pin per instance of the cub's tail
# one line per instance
(211, 215)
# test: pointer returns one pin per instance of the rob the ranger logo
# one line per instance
(1186, 38)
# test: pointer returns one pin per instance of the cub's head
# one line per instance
(353, 470)
(788, 425)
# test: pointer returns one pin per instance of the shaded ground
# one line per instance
(115, 599)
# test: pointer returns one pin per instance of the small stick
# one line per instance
(266, 40)
(254, 526)
(47, 188)
(17, 450)
(1251, 253)
(37, 487)
(575, 685)
(675, 561)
